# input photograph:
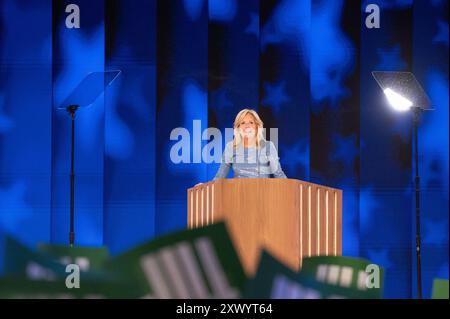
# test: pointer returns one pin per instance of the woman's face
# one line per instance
(248, 126)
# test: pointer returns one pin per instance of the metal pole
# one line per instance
(417, 184)
(72, 109)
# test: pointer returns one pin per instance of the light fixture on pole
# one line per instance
(404, 93)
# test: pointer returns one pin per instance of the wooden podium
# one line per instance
(287, 217)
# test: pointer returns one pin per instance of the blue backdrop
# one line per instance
(303, 64)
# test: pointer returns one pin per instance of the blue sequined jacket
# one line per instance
(251, 162)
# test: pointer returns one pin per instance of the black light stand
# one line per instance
(71, 110)
(404, 93)
(82, 96)
(416, 114)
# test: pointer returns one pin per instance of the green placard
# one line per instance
(440, 289)
(24, 288)
(347, 272)
(30, 274)
(198, 263)
(275, 281)
(88, 258)
(20, 261)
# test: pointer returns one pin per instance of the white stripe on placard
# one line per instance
(186, 253)
(279, 287)
(175, 273)
(154, 277)
(213, 269)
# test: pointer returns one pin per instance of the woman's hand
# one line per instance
(198, 184)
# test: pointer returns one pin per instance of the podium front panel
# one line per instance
(288, 218)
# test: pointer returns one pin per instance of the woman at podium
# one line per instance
(249, 154)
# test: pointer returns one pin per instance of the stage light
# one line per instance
(398, 102)
(404, 93)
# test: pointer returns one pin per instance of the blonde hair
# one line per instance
(237, 140)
